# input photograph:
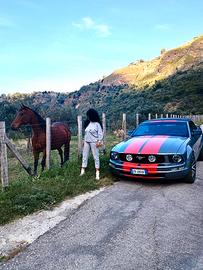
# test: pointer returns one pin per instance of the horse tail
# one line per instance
(67, 129)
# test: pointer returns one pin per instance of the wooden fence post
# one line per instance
(162, 115)
(167, 115)
(156, 115)
(124, 126)
(18, 156)
(199, 117)
(149, 116)
(79, 120)
(137, 119)
(4, 159)
(104, 131)
(48, 142)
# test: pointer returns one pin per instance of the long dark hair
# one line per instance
(92, 116)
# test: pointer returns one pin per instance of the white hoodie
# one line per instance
(93, 132)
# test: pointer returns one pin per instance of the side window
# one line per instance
(192, 126)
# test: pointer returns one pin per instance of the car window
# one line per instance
(192, 126)
(162, 128)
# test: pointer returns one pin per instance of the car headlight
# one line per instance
(114, 155)
(177, 158)
(151, 158)
(129, 157)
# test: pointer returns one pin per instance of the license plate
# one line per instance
(138, 171)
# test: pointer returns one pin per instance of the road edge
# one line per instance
(16, 235)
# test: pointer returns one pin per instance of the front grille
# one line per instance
(143, 159)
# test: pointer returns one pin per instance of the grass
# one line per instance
(26, 194)
(21, 246)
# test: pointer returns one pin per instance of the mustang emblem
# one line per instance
(140, 157)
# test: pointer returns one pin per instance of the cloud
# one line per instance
(163, 27)
(87, 23)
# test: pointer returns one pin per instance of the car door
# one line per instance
(196, 138)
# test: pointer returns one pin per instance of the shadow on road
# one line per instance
(150, 182)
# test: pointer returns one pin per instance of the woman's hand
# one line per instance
(99, 144)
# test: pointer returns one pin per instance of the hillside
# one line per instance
(170, 83)
(142, 73)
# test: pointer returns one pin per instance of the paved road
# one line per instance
(129, 226)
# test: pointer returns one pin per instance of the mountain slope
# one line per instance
(170, 83)
(143, 73)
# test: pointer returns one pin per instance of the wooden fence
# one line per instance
(6, 143)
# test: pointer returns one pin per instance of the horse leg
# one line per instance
(36, 159)
(61, 155)
(66, 151)
(43, 160)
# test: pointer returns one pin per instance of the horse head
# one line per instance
(23, 117)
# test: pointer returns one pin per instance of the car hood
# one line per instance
(151, 145)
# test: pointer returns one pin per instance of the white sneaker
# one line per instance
(82, 172)
(97, 175)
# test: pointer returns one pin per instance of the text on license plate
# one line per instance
(138, 171)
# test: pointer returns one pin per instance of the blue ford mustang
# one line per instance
(160, 149)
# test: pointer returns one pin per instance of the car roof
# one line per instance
(168, 120)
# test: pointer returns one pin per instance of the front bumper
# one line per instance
(155, 171)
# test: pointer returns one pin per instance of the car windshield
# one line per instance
(162, 128)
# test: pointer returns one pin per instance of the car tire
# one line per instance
(190, 178)
(200, 158)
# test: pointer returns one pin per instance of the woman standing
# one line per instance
(92, 140)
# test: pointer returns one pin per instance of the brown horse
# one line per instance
(60, 135)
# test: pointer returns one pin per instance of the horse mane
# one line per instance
(41, 121)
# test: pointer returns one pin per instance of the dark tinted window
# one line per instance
(162, 128)
(192, 126)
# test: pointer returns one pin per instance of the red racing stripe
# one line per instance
(127, 166)
(134, 147)
(148, 145)
(151, 168)
(153, 145)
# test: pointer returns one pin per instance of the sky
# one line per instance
(61, 45)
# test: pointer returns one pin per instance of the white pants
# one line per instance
(85, 154)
